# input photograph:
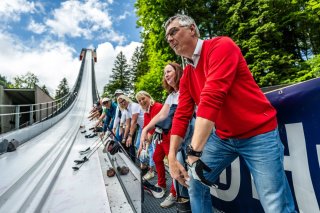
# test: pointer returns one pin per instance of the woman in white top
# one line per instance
(171, 80)
(135, 117)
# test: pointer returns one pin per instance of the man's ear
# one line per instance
(192, 29)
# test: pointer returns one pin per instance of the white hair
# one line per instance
(184, 20)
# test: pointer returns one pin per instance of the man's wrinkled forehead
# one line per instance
(174, 23)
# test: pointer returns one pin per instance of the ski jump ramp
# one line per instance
(38, 176)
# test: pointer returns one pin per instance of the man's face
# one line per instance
(107, 104)
(179, 37)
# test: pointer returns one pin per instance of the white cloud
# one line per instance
(36, 27)
(12, 9)
(115, 37)
(106, 55)
(50, 62)
(77, 19)
(124, 15)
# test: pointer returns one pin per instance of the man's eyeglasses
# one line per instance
(173, 31)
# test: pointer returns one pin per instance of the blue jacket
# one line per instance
(110, 113)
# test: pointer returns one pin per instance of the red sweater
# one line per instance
(153, 111)
(225, 92)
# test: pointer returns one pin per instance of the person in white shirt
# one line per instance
(117, 129)
(134, 120)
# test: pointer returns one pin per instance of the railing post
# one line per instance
(40, 110)
(47, 110)
(31, 115)
(17, 117)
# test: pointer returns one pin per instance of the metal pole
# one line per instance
(17, 117)
(31, 115)
(40, 110)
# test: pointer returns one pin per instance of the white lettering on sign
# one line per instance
(297, 163)
(223, 177)
(231, 193)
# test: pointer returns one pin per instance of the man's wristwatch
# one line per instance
(191, 152)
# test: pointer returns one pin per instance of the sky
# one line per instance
(45, 37)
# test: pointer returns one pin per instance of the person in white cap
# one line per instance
(108, 112)
(117, 117)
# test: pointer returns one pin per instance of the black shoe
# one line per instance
(157, 192)
(92, 136)
(83, 131)
(98, 129)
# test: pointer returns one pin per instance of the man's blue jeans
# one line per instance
(263, 154)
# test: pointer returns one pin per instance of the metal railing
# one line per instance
(20, 116)
(14, 117)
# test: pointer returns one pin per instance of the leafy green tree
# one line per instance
(63, 89)
(28, 81)
(120, 77)
(139, 63)
(309, 69)
(45, 90)
(3, 81)
(277, 38)
(152, 83)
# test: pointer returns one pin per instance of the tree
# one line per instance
(3, 81)
(139, 63)
(28, 81)
(120, 77)
(152, 83)
(276, 37)
(45, 90)
(63, 89)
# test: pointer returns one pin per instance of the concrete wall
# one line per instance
(47, 108)
(5, 120)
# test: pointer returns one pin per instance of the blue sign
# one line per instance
(298, 108)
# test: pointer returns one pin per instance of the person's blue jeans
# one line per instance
(137, 139)
(181, 157)
(150, 149)
(118, 136)
(263, 154)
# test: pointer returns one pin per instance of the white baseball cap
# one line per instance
(118, 91)
(105, 100)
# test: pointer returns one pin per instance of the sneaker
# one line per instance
(169, 201)
(156, 191)
(149, 175)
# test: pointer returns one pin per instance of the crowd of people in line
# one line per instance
(214, 113)
(143, 128)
